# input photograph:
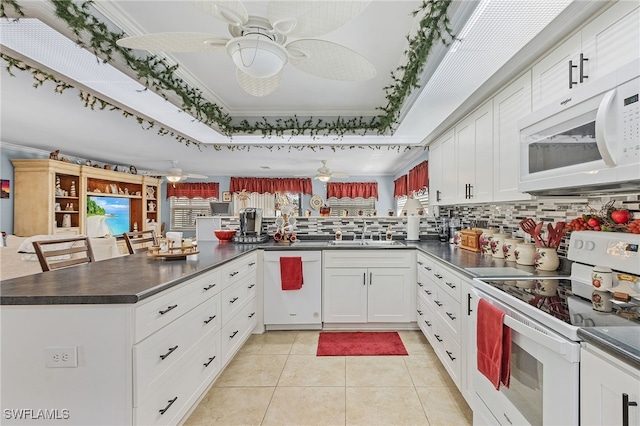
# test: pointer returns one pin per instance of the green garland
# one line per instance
(155, 73)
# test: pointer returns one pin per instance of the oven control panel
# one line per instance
(616, 250)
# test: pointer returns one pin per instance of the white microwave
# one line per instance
(586, 141)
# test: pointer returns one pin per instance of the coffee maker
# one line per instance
(250, 221)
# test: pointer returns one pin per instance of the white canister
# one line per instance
(509, 248)
(525, 253)
(66, 221)
(496, 244)
(601, 278)
(546, 259)
(485, 240)
(547, 288)
(601, 301)
(175, 238)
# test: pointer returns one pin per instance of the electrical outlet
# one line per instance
(61, 356)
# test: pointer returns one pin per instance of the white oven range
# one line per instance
(545, 354)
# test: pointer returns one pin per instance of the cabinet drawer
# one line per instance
(449, 312)
(450, 355)
(183, 386)
(238, 329)
(427, 288)
(365, 258)
(159, 311)
(162, 352)
(424, 265)
(424, 314)
(238, 269)
(233, 298)
(447, 281)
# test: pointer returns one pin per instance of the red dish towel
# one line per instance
(291, 273)
(494, 344)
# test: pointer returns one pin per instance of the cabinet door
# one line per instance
(449, 170)
(469, 305)
(345, 295)
(603, 381)
(611, 40)
(435, 175)
(550, 76)
(509, 106)
(390, 294)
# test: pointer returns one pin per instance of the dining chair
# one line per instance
(62, 253)
(140, 241)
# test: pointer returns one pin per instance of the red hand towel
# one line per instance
(494, 344)
(291, 273)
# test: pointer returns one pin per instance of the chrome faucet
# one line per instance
(364, 230)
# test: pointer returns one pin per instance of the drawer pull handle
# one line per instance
(420, 284)
(233, 274)
(209, 287)
(420, 263)
(252, 263)
(419, 312)
(251, 286)
(427, 268)
(428, 292)
(251, 314)
(233, 300)
(162, 357)
(437, 302)
(450, 284)
(450, 353)
(209, 320)
(438, 276)
(450, 315)
(168, 309)
(428, 323)
(206, 364)
(625, 408)
(233, 334)
(171, 401)
(438, 338)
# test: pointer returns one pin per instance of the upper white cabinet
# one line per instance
(509, 106)
(442, 163)
(602, 46)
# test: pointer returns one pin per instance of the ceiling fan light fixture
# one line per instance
(257, 56)
(324, 178)
(173, 179)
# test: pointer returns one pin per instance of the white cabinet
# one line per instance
(469, 307)
(368, 286)
(603, 45)
(474, 148)
(509, 106)
(441, 158)
(609, 389)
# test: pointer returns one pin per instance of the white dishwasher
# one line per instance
(293, 309)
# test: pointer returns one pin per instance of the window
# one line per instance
(422, 196)
(185, 210)
(352, 205)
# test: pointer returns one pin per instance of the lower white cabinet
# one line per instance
(356, 291)
(609, 389)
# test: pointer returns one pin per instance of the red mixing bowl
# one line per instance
(224, 235)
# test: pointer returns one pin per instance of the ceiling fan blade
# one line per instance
(194, 176)
(329, 60)
(339, 175)
(174, 42)
(258, 86)
(315, 18)
(232, 12)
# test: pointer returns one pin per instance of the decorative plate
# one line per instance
(315, 202)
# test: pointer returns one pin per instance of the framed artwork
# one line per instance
(226, 196)
(5, 186)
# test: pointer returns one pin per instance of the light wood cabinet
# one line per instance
(51, 196)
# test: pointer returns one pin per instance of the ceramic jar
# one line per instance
(546, 259)
(509, 248)
(497, 240)
(525, 253)
(601, 301)
(485, 240)
(548, 288)
(601, 278)
(66, 221)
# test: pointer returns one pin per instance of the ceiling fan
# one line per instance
(174, 174)
(324, 174)
(257, 44)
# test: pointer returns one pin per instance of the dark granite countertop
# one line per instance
(129, 279)
(621, 342)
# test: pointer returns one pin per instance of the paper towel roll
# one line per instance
(413, 228)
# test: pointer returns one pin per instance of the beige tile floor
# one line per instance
(276, 379)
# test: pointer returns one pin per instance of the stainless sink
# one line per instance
(383, 243)
(346, 243)
(360, 243)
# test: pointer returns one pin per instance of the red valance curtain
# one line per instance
(352, 189)
(271, 185)
(400, 186)
(419, 177)
(194, 189)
